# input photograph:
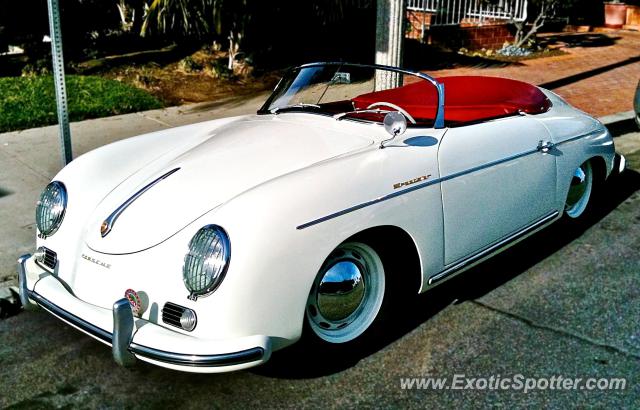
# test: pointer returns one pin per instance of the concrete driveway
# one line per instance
(562, 303)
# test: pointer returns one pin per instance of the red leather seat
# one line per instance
(468, 99)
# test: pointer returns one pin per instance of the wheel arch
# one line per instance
(397, 249)
(599, 165)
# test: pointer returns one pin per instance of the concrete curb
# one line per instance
(617, 117)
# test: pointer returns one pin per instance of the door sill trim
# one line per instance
(477, 257)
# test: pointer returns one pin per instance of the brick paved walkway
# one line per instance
(599, 75)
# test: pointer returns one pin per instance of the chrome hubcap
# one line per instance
(579, 191)
(578, 186)
(347, 293)
(341, 290)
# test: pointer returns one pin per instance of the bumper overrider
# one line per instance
(131, 337)
(619, 163)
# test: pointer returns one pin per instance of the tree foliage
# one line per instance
(539, 12)
(278, 32)
(25, 22)
(196, 18)
(279, 28)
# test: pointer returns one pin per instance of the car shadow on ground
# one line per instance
(4, 192)
(623, 127)
(313, 360)
(228, 103)
(562, 82)
(577, 40)
(426, 57)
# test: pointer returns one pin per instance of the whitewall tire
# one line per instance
(347, 294)
(580, 191)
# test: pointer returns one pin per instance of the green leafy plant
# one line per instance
(27, 102)
(220, 69)
(189, 65)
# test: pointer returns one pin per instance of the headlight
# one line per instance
(50, 208)
(207, 260)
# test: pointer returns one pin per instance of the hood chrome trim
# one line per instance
(108, 223)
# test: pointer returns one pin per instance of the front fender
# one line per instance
(275, 255)
(90, 177)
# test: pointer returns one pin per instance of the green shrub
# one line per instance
(220, 69)
(27, 102)
(189, 65)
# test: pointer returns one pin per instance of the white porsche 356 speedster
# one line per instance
(206, 247)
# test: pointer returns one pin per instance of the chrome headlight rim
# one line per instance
(62, 190)
(225, 243)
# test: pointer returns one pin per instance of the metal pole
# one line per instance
(58, 77)
(389, 41)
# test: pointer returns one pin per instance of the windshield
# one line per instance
(356, 92)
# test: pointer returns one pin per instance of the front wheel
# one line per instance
(347, 293)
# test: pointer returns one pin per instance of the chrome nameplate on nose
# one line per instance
(96, 261)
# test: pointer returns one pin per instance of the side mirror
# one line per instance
(395, 124)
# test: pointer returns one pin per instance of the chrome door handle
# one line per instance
(545, 146)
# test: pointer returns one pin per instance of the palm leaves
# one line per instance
(202, 18)
(189, 18)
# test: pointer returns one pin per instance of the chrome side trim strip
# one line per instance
(181, 359)
(459, 266)
(416, 187)
(489, 164)
(111, 219)
(577, 137)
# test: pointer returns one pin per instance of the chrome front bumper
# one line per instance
(124, 349)
(619, 164)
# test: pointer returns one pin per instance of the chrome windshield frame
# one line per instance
(439, 120)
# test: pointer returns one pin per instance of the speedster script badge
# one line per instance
(411, 181)
(96, 261)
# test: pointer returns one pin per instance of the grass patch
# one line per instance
(27, 102)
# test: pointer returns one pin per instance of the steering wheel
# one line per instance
(395, 107)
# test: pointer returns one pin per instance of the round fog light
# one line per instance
(188, 320)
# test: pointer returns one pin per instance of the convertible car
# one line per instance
(205, 248)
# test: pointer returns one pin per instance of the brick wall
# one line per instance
(633, 18)
(490, 35)
(473, 38)
(415, 20)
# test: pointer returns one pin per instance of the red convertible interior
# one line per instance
(468, 99)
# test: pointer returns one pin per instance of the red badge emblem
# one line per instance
(134, 301)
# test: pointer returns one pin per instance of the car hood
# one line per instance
(221, 165)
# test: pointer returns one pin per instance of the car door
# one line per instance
(496, 180)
